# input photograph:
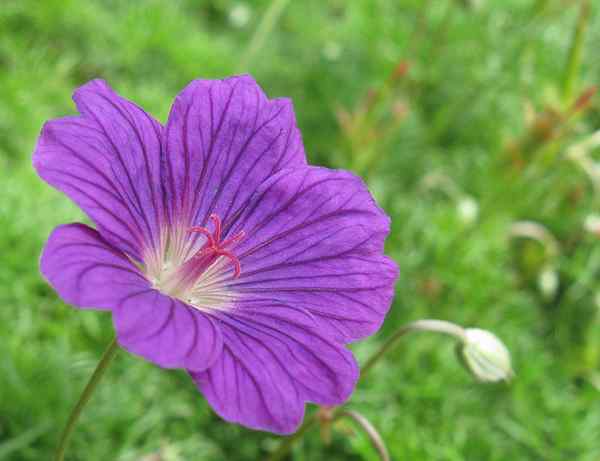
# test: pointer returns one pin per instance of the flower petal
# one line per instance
(314, 239)
(224, 138)
(167, 331)
(273, 361)
(108, 161)
(86, 271)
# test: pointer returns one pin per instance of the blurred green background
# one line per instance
(465, 117)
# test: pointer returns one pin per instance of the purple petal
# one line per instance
(274, 359)
(224, 138)
(315, 240)
(86, 271)
(108, 161)
(167, 331)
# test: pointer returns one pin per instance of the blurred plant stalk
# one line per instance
(369, 126)
(545, 130)
(534, 157)
(553, 124)
(537, 232)
(580, 154)
(467, 206)
(574, 59)
(262, 32)
(547, 276)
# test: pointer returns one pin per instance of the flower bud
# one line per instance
(240, 15)
(592, 224)
(468, 209)
(548, 282)
(485, 356)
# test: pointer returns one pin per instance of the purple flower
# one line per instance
(217, 248)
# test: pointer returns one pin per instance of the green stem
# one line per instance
(438, 326)
(107, 357)
(576, 51)
(287, 444)
(369, 429)
(267, 23)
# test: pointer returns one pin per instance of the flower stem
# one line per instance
(438, 326)
(287, 444)
(107, 357)
(573, 65)
(369, 429)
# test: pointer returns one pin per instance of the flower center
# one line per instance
(198, 279)
(215, 247)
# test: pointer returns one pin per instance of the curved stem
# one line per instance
(369, 429)
(287, 444)
(537, 232)
(438, 326)
(107, 357)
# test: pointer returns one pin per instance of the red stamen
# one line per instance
(233, 240)
(215, 219)
(204, 231)
(215, 246)
(233, 258)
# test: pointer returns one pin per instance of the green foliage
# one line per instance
(457, 111)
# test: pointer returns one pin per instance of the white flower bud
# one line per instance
(468, 209)
(592, 224)
(548, 282)
(485, 356)
(240, 15)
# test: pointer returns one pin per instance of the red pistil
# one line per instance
(215, 247)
